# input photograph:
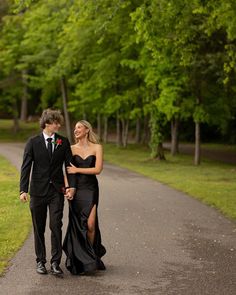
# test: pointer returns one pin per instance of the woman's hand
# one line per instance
(69, 194)
(71, 169)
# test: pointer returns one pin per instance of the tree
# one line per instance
(10, 53)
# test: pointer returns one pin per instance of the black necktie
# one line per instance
(49, 140)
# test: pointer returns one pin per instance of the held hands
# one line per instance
(71, 169)
(69, 193)
(24, 197)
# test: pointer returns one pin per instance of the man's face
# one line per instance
(53, 127)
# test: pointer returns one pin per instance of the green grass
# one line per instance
(26, 130)
(215, 146)
(212, 182)
(15, 221)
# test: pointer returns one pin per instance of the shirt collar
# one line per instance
(46, 136)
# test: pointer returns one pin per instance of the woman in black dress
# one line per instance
(82, 243)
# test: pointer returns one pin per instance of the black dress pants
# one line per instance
(54, 201)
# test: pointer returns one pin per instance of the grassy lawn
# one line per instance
(215, 146)
(15, 221)
(26, 130)
(212, 182)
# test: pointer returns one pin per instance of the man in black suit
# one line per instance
(45, 155)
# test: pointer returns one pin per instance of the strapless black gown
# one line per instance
(81, 256)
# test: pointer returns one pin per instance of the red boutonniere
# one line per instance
(58, 142)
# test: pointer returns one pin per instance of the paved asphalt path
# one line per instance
(158, 240)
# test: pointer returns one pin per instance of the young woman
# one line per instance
(82, 243)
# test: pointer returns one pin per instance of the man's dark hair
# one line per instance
(50, 116)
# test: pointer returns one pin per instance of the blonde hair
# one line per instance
(92, 136)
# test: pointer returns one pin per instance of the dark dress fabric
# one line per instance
(81, 256)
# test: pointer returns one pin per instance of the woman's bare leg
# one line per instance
(91, 225)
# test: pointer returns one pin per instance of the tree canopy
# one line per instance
(142, 65)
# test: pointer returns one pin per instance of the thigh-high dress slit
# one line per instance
(81, 255)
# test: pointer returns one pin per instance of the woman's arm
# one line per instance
(94, 170)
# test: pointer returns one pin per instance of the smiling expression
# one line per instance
(80, 131)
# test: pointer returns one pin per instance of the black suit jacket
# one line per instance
(45, 170)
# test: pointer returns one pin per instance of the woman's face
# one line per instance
(80, 131)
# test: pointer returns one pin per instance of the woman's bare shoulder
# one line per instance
(97, 145)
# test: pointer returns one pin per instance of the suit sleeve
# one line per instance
(69, 159)
(26, 167)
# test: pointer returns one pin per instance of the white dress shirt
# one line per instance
(53, 140)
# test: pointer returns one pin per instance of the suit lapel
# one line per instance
(57, 143)
(43, 144)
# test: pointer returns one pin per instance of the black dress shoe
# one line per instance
(100, 265)
(55, 269)
(41, 269)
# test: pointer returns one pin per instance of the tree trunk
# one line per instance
(156, 140)
(99, 129)
(174, 136)
(138, 131)
(146, 131)
(197, 144)
(125, 132)
(66, 114)
(15, 117)
(105, 128)
(118, 130)
(160, 152)
(84, 115)
(24, 98)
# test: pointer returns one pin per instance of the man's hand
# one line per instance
(24, 197)
(70, 193)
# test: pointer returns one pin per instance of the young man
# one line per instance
(45, 155)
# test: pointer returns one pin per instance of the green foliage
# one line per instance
(116, 54)
(156, 124)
